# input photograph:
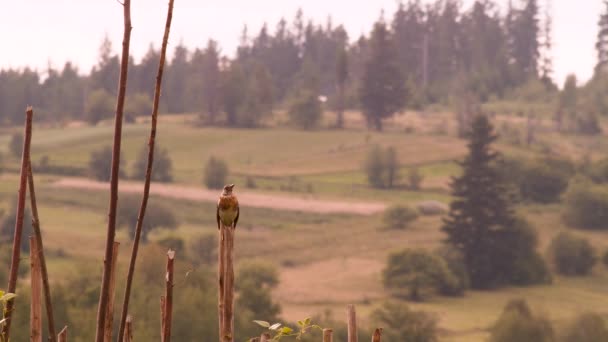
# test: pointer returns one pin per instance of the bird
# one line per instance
(227, 208)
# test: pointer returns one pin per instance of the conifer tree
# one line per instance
(602, 40)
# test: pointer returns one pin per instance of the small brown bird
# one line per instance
(227, 208)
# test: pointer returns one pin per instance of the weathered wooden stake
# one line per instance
(63, 335)
(104, 293)
(110, 311)
(352, 323)
(377, 337)
(129, 329)
(162, 316)
(36, 288)
(48, 303)
(228, 333)
(328, 335)
(221, 255)
(168, 310)
(16, 255)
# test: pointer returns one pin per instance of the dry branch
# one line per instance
(144, 201)
(48, 303)
(377, 337)
(63, 335)
(13, 275)
(168, 309)
(110, 311)
(221, 254)
(111, 232)
(328, 335)
(352, 323)
(129, 329)
(36, 289)
(228, 319)
(162, 316)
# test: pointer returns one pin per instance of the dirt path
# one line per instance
(247, 199)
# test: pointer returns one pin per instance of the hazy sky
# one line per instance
(36, 32)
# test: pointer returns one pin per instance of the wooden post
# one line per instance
(110, 311)
(129, 329)
(221, 255)
(48, 303)
(162, 316)
(228, 321)
(168, 310)
(63, 335)
(265, 337)
(104, 293)
(144, 201)
(377, 337)
(352, 323)
(328, 335)
(16, 254)
(36, 285)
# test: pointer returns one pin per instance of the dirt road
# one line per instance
(247, 199)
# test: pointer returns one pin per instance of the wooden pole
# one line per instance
(63, 335)
(16, 255)
(104, 294)
(129, 329)
(162, 316)
(220, 278)
(352, 323)
(144, 201)
(48, 303)
(228, 333)
(36, 287)
(110, 310)
(328, 335)
(168, 310)
(377, 337)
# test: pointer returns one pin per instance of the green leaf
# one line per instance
(286, 330)
(275, 326)
(301, 323)
(307, 321)
(262, 324)
(7, 296)
(1, 293)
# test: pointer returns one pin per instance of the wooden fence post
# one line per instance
(352, 323)
(328, 335)
(36, 287)
(377, 337)
(228, 321)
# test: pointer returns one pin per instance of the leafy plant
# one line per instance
(281, 331)
(4, 298)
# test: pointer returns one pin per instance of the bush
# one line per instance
(414, 179)
(415, 274)
(528, 266)
(15, 145)
(305, 110)
(398, 217)
(99, 105)
(517, 323)
(137, 104)
(402, 324)
(157, 216)
(382, 167)
(586, 206)
(572, 256)
(454, 260)
(588, 327)
(161, 169)
(100, 164)
(216, 173)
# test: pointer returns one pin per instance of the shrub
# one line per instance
(250, 182)
(517, 323)
(400, 323)
(414, 179)
(15, 145)
(605, 258)
(100, 164)
(454, 260)
(161, 169)
(588, 327)
(157, 216)
(137, 104)
(398, 217)
(415, 274)
(99, 105)
(305, 110)
(528, 266)
(382, 167)
(542, 182)
(216, 172)
(586, 206)
(572, 256)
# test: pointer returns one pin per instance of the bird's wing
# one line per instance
(238, 212)
(217, 215)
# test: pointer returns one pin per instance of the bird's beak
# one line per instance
(231, 186)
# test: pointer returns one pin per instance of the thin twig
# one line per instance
(48, 303)
(168, 312)
(377, 337)
(14, 273)
(144, 201)
(129, 329)
(111, 233)
(36, 289)
(63, 335)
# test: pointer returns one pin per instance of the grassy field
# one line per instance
(325, 261)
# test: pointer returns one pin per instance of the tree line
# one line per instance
(419, 55)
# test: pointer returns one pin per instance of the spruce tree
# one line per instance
(341, 77)
(382, 91)
(481, 223)
(602, 40)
